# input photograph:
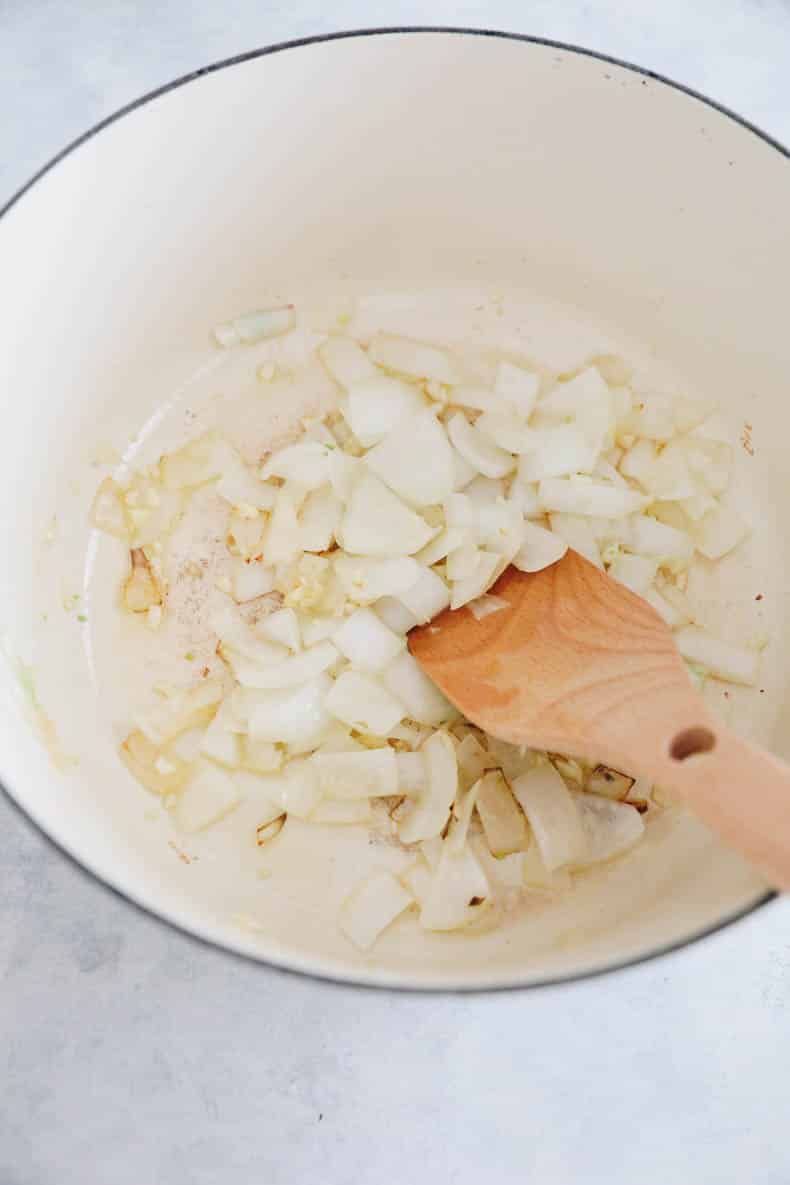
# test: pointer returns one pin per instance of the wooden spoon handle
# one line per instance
(741, 791)
(668, 735)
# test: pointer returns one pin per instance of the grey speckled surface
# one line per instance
(129, 1054)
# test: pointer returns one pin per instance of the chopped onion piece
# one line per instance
(292, 671)
(427, 597)
(376, 405)
(371, 907)
(718, 532)
(540, 549)
(210, 795)
(610, 828)
(199, 461)
(368, 579)
(415, 460)
(428, 817)
(608, 783)
(578, 495)
(343, 473)
(366, 641)
(234, 633)
(185, 708)
(439, 548)
(260, 756)
(244, 535)
(457, 883)
(306, 463)
(724, 660)
(395, 615)
(141, 590)
(349, 813)
(372, 773)
(536, 875)
(318, 520)
(475, 398)
(240, 487)
(412, 358)
(282, 626)
(479, 577)
(297, 717)
(636, 572)
(281, 541)
(364, 704)
(503, 822)
(647, 536)
(552, 814)
(473, 760)
(486, 605)
(412, 688)
(160, 772)
(555, 452)
(518, 387)
(221, 741)
(505, 428)
(475, 448)
(411, 773)
(255, 327)
(377, 523)
(346, 361)
(250, 579)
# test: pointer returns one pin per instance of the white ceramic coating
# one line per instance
(591, 205)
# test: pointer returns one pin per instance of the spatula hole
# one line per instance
(690, 742)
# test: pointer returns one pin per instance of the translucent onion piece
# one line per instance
(307, 463)
(415, 460)
(376, 405)
(366, 641)
(346, 361)
(364, 704)
(555, 452)
(552, 814)
(318, 520)
(582, 496)
(297, 717)
(412, 688)
(412, 774)
(427, 597)
(210, 795)
(377, 523)
(254, 327)
(724, 660)
(517, 387)
(338, 814)
(366, 580)
(610, 828)
(155, 769)
(413, 358)
(540, 549)
(371, 907)
(475, 448)
(282, 627)
(430, 813)
(372, 773)
(503, 822)
(457, 883)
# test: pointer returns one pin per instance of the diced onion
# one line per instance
(366, 641)
(372, 773)
(255, 327)
(724, 660)
(412, 688)
(371, 907)
(428, 817)
(415, 460)
(412, 358)
(377, 523)
(209, 796)
(552, 814)
(364, 704)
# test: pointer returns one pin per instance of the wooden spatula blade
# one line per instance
(578, 664)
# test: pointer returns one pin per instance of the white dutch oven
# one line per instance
(599, 205)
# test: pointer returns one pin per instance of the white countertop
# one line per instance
(130, 1054)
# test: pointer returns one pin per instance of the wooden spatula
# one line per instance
(580, 665)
